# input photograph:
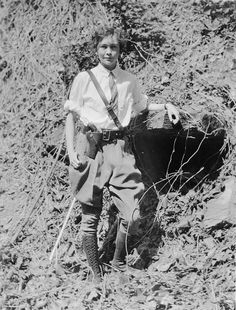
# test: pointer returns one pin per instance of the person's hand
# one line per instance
(173, 113)
(74, 160)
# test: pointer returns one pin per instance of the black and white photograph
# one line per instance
(117, 161)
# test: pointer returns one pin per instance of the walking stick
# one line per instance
(62, 229)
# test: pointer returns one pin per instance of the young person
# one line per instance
(113, 165)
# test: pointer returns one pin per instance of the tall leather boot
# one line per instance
(91, 249)
(118, 262)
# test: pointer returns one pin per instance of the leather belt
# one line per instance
(105, 135)
(111, 135)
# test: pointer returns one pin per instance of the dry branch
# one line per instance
(20, 225)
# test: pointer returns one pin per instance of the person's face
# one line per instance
(108, 51)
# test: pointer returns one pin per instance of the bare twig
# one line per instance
(20, 225)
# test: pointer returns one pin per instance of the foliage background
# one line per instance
(183, 52)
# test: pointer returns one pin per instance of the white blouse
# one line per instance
(87, 103)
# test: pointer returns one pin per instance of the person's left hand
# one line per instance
(173, 113)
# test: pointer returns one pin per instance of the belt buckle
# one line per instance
(106, 134)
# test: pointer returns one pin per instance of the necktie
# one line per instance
(114, 92)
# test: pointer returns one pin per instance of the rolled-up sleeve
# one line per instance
(140, 100)
(75, 101)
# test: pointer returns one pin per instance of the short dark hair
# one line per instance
(104, 31)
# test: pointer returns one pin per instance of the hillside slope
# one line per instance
(183, 52)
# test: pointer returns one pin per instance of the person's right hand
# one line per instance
(74, 160)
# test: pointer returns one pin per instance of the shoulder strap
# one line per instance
(102, 95)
